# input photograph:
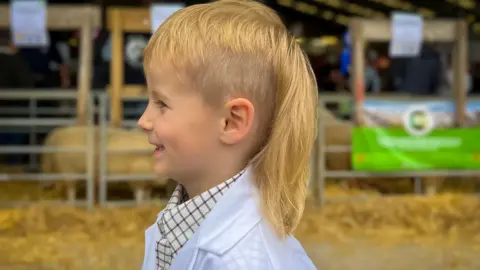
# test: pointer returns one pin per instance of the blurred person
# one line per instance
(46, 63)
(14, 73)
(448, 85)
(327, 72)
(373, 82)
(232, 116)
(346, 56)
(420, 75)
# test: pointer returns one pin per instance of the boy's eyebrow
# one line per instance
(157, 94)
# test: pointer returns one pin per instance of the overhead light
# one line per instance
(465, 4)
(352, 8)
(285, 3)
(313, 10)
(406, 6)
(306, 8)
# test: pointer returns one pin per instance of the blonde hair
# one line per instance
(244, 49)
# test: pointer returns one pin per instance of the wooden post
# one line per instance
(460, 63)
(85, 72)
(121, 20)
(116, 69)
(358, 68)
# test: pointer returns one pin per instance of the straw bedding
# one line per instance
(60, 237)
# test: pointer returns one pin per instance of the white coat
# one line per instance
(234, 236)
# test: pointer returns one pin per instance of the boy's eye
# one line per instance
(160, 104)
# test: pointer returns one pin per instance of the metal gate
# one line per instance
(32, 124)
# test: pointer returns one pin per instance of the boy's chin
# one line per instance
(161, 170)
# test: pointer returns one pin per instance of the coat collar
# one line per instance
(229, 221)
(232, 218)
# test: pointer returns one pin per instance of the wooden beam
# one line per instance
(380, 30)
(61, 17)
(133, 19)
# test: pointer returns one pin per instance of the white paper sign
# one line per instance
(29, 23)
(159, 12)
(407, 34)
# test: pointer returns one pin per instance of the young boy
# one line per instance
(231, 113)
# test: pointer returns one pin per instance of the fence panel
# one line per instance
(320, 172)
(31, 123)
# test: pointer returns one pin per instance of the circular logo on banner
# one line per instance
(418, 120)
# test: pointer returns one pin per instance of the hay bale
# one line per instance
(117, 163)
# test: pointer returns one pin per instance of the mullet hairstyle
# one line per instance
(243, 49)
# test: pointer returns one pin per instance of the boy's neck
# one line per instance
(211, 178)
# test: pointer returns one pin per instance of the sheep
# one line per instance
(118, 163)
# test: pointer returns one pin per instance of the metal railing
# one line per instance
(33, 122)
(33, 111)
(320, 172)
(104, 150)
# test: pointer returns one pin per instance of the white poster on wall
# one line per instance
(159, 12)
(28, 23)
(407, 35)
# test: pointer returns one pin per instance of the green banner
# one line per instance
(399, 136)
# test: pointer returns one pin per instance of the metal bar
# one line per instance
(129, 150)
(131, 177)
(37, 122)
(37, 94)
(16, 204)
(42, 177)
(38, 149)
(26, 129)
(417, 185)
(322, 160)
(338, 148)
(32, 132)
(103, 155)
(335, 98)
(129, 123)
(364, 198)
(135, 98)
(90, 156)
(129, 203)
(360, 174)
(331, 124)
(40, 110)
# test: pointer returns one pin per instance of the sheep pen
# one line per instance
(337, 133)
(125, 163)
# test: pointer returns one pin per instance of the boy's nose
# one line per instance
(145, 123)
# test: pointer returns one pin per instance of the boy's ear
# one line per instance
(238, 120)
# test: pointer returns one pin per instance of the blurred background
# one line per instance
(76, 183)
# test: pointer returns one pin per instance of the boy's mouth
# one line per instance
(159, 150)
